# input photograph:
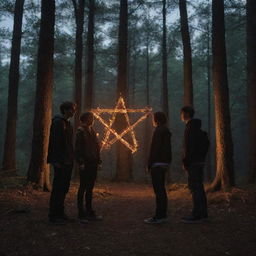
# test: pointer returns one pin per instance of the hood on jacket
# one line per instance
(58, 117)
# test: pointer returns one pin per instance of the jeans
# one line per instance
(60, 187)
(196, 186)
(158, 182)
(88, 177)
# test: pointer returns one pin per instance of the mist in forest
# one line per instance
(144, 66)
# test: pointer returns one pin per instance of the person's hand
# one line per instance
(81, 166)
(184, 168)
(148, 170)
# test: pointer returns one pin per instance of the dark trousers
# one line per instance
(196, 186)
(158, 182)
(87, 180)
(60, 187)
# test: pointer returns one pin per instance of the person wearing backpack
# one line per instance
(196, 145)
(87, 154)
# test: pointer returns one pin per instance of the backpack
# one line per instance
(204, 143)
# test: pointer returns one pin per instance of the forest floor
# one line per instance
(231, 229)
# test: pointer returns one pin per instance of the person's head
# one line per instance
(187, 113)
(68, 109)
(87, 119)
(159, 119)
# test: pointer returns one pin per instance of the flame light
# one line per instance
(120, 108)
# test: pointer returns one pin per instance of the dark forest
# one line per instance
(140, 57)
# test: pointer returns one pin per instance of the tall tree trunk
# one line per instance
(38, 167)
(165, 98)
(9, 157)
(187, 56)
(134, 76)
(147, 71)
(90, 57)
(79, 17)
(165, 103)
(209, 113)
(251, 86)
(148, 126)
(123, 164)
(224, 144)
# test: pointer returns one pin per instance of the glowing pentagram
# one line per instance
(120, 108)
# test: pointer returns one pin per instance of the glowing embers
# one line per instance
(120, 108)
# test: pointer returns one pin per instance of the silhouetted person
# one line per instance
(60, 155)
(87, 153)
(196, 145)
(158, 163)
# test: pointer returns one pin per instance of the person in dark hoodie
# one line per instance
(60, 156)
(158, 163)
(196, 146)
(87, 154)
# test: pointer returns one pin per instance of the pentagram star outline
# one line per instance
(120, 108)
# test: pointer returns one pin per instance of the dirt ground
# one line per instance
(231, 229)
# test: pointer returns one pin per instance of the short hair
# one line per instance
(160, 118)
(66, 105)
(188, 110)
(85, 116)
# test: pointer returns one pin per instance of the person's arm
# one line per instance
(155, 148)
(79, 147)
(189, 144)
(167, 140)
(98, 151)
(55, 156)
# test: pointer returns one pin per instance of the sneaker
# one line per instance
(67, 218)
(83, 220)
(57, 221)
(82, 217)
(155, 220)
(191, 219)
(93, 216)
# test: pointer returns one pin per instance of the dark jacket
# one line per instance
(61, 141)
(87, 147)
(192, 141)
(160, 150)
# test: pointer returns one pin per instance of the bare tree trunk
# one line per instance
(224, 144)
(187, 61)
(251, 86)
(79, 17)
(148, 126)
(123, 164)
(38, 167)
(209, 158)
(132, 63)
(165, 98)
(147, 72)
(134, 78)
(165, 103)
(90, 57)
(9, 157)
